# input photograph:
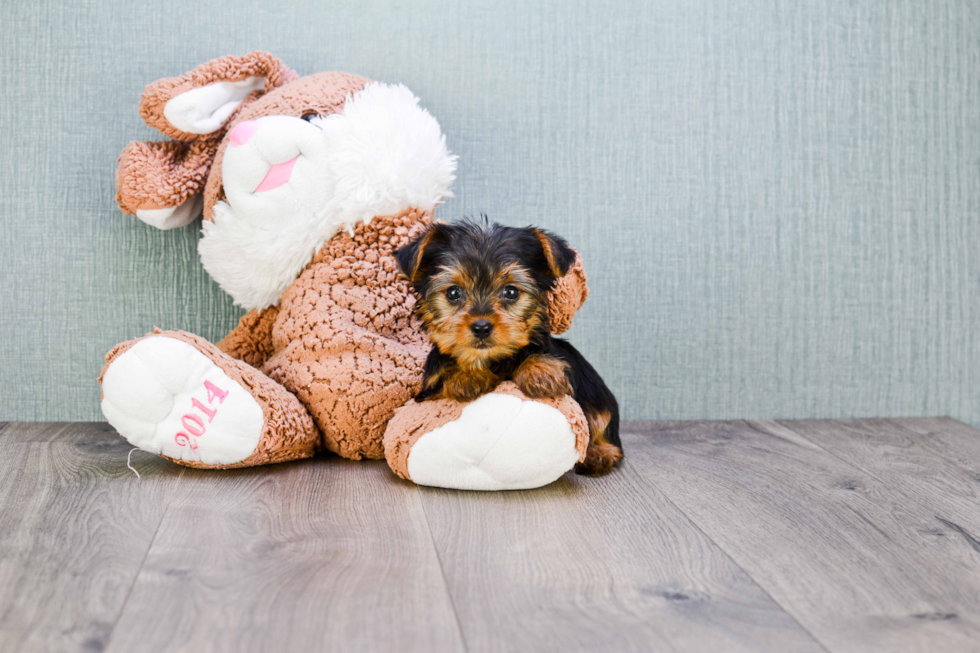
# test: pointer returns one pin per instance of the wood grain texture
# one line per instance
(317, 555)
(596, 564)
(854, 560)
(75, 524)
(953, 440)
(935, 462)
(858, 535)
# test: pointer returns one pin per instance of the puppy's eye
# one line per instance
(454, 293)
(510, 293)
(310, 116)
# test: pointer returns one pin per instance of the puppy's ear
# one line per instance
(559, 256)
(410, 258)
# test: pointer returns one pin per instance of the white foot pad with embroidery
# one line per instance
(499, 442)
(166, 397)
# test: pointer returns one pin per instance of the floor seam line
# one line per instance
(896, 423)
(442, 570)
(870, 473)
(735, 562)
(847, 462)
(139, 570)
(925, 503)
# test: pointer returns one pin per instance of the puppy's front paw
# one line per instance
(467, 385)
(543, 377)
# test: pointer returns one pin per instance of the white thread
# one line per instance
(128, 458)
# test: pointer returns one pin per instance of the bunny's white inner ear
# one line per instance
(203, 110)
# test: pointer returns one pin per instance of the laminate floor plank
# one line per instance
(946, 437)
(920, 464)
(603, 564)
(856, 561)
(75, 524)
(849, 535)
(316, 555)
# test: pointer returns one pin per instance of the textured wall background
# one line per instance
(777, 203)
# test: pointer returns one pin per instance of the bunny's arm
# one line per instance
(161, 182)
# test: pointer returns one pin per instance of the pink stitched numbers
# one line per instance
(194, 424)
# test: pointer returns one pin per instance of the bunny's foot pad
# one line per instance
(500, 441)
(177, 395)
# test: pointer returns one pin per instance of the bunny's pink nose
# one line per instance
(242, 132)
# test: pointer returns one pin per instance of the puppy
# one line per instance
(483, 300)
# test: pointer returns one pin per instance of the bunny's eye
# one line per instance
(310, 116)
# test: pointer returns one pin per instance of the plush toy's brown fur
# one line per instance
(341, 351)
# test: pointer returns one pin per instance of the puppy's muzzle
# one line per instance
(481, 329)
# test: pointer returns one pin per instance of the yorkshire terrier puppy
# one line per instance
(483, 300)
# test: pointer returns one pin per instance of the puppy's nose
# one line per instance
(481, 329)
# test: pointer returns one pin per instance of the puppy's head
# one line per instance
(483, 287)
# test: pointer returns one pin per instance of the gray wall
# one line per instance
(777, 202)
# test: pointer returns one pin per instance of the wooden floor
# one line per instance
(858, 535)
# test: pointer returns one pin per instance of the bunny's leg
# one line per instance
(352, 388)
(174, 394)
(499, 441)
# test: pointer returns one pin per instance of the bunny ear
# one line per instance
(203, 110)
(200, 103)
(568, 295)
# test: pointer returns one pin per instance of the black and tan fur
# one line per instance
(483, 293)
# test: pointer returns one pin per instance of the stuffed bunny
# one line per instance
(308, 186)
